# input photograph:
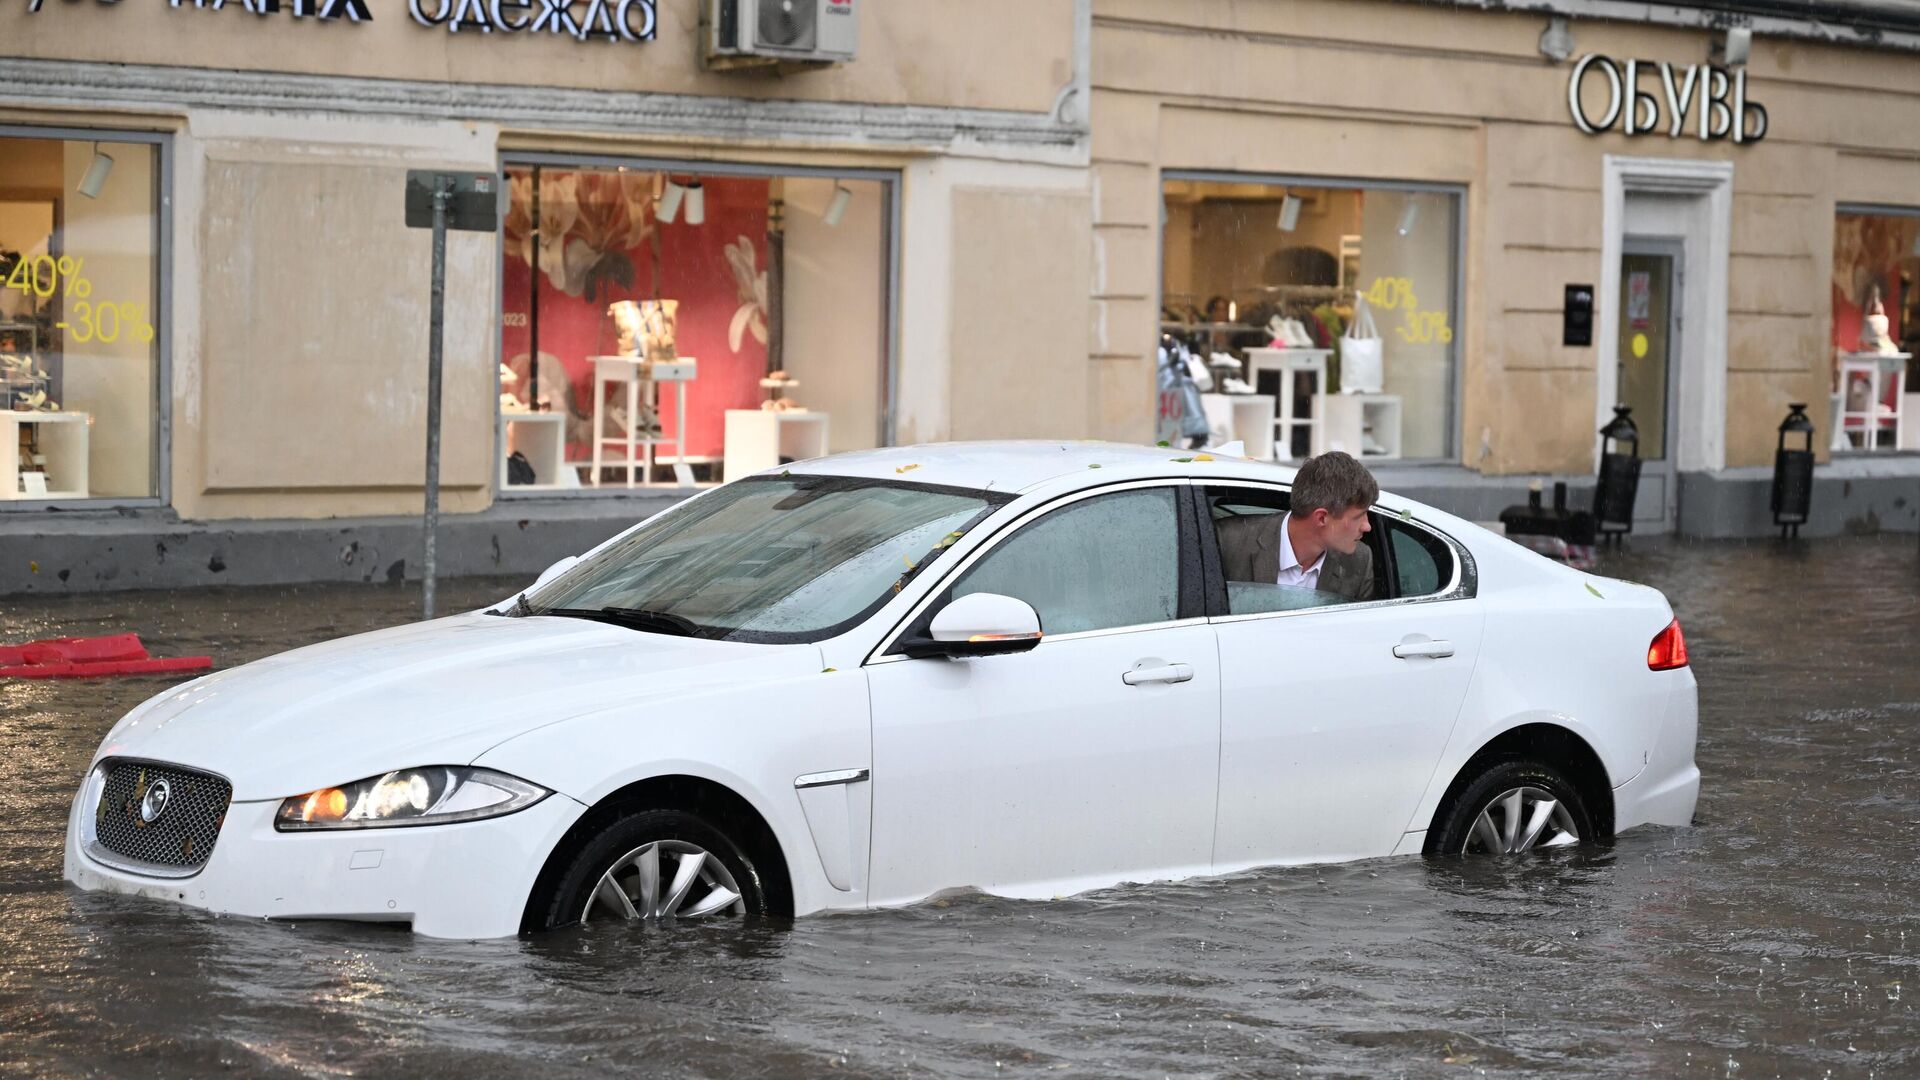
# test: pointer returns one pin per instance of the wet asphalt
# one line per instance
(1774, 938)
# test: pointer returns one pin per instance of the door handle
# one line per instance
(1162, 673)
(1434, 649)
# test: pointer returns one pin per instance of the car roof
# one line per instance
(1011, 465)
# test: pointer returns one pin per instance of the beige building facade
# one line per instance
(986, 224)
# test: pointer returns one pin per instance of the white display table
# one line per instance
(758, 438)
(542, 438)
(1246, 417)
(642, 380)
(1881, 377)
(1364, 425)
(1288, 362)
(62, 438)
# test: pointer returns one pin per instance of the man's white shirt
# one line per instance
(1292, 574)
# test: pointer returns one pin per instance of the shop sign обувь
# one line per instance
(1638, 112)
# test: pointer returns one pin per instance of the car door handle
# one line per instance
(1434, 649)
(1162, 673)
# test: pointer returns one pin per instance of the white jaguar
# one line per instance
(856, 681)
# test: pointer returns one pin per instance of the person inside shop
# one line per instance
(1315, 546)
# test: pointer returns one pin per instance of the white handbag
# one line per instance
(1362, 359)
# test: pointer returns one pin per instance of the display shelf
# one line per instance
(1881, 379)
(1247, 418)
(62, 439)
(758, 438)
(1287, 363)
(544, 445)
(642, 379)
(1368, 426)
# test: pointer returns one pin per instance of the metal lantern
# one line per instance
(1793, 473)
(1619, 481)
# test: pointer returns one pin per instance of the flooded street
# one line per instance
(1777, 937)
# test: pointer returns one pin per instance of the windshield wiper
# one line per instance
(660, 622)
(520, 609)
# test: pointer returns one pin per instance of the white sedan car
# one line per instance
(857, 681)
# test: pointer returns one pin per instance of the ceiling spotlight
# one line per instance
(696, 203)
(1556, 41)
(1289, 213)
(1408, 217)
(96, 177)
(837, 209)
(669, 207)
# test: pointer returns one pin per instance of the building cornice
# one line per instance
(1881, 24)
(154, 89)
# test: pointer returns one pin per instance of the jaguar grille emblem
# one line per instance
(155, 802)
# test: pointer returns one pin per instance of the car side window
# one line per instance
(1422, 563)
(1246, 524)
(1096, 564)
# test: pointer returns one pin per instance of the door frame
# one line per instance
(1699, 412)
(1675, 251)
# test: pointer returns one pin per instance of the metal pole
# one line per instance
(435, 325)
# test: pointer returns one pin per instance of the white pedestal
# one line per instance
(1246, 417)
(758, 438)
(63, 443)
(642, 381)
(1882, 376)
(1288, 362)
(542, 438)
(1364, 425)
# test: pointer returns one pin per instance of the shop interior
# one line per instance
(1298, 318)
(684, 329)
(1876, 332)
(77, 342)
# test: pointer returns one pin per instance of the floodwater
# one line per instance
(1775, 938)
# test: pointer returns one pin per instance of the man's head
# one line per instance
(1331, 496)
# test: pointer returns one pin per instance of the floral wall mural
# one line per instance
(599, 241)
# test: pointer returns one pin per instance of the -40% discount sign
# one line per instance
(104, 321)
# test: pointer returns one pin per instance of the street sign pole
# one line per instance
(436, 333)
(442, 201)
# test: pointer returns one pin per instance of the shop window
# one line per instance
(1330, 309)
(669, 328)
(79, 352)
(1876, 330)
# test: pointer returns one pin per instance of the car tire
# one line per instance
(664, 863)
(1511, 807)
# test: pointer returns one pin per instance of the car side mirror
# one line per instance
(979, 624)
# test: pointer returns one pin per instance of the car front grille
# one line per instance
(180, 837)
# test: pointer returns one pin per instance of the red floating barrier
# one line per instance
(78, 658)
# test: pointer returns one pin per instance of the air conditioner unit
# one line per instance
(762, 33)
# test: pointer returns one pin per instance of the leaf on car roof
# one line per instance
(1163, 442)
(828, 670)
(906, 468)
(1203, 457)
(1406, 515)
(1095, 466)
(1593, 590)
(1181, 460)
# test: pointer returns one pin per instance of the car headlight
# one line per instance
(433, 795)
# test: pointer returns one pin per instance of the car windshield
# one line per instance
(779, 559)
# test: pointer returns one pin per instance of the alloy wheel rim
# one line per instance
(661, 880)
(1520, 819)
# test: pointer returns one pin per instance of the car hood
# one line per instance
(434, 693)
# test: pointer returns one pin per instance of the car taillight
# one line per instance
(1669, 649)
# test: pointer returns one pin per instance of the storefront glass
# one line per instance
(689, 328)
(1346, 293)
(79, 352)
(1876, 329)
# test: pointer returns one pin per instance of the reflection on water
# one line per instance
(1771, 938)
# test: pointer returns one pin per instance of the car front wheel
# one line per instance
(1513, 807)
(653, 865)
